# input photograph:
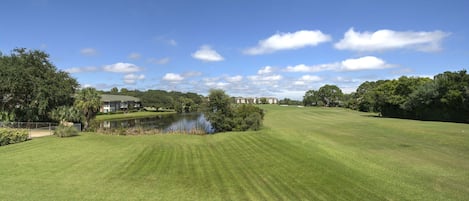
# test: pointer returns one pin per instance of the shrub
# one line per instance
(12, 136)
(65, 131)
(248, 117)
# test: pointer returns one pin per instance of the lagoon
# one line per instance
(167, 123)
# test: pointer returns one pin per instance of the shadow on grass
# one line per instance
(371, 115)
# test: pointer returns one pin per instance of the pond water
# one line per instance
(184, 123)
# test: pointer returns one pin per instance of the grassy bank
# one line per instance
(301, 154)
(107, 117)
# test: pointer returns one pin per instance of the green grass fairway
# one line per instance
(301, 154)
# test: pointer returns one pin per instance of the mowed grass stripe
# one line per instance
(301, 154)
(249, 179)
(270, 158)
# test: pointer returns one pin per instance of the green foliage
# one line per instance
(287, 101)
(330, 95)
(31, 86)
(223, 116)
(12, 136)
(247, 117)
(185, 105)
(327, 95)
(66, 113)
(445, 98)
(88, 102)
(311, 98)
(219, 111)
(65, 131)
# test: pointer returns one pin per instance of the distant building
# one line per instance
(113, 103)
(255, 100)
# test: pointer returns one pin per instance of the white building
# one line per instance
(255, 100)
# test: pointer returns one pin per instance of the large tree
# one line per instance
(445, 98)
(31, 86)
(219, 111)
(311, 98)
(88, 101)
(330, 95)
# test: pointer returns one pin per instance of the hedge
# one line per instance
(12, 136)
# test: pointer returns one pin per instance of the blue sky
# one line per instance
(248, 48)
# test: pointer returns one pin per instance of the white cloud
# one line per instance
(310, 78)
(161, 61)
(206, 53)
(312, 69)
(132, 78)
(299, 82)
(173, 77)
(364, 63)
(288, 41)
(81, 69)
(237, 78)
(388, 39)
(134, 55)
(217, 84)
(89, 52)
(122, 68)
(305, 79)
(265, 70)
(191, 74)
(265, 78)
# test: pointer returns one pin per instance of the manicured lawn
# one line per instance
(301, 154)
(132, 115)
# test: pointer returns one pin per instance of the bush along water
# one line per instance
(224, 116)
(65, 131)
(12, 136)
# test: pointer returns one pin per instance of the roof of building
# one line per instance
(118, 98)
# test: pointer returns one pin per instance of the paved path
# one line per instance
(33, 133)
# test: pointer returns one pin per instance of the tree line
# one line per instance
(178, 101)
(33, 89)
(443, 98)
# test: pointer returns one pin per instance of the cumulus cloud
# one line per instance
(265, 78)
(134, 56)
(385, 39)
(312, 69)
(81, 69)
(207, 54)
(218, 85)
(288, 41)
(122, 68)
(191, 74)
(265, 70)
(305, 79)
(310, 78)
(237, 78)
(173, 77)
(132, 78)
(362, 63)
(89, 52)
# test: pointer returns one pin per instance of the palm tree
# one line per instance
(66, 114)
(88, 101)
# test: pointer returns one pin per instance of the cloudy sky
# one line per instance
(246, 47)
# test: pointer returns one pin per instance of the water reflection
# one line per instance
(167, 123)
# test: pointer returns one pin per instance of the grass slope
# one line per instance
(301, 154)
